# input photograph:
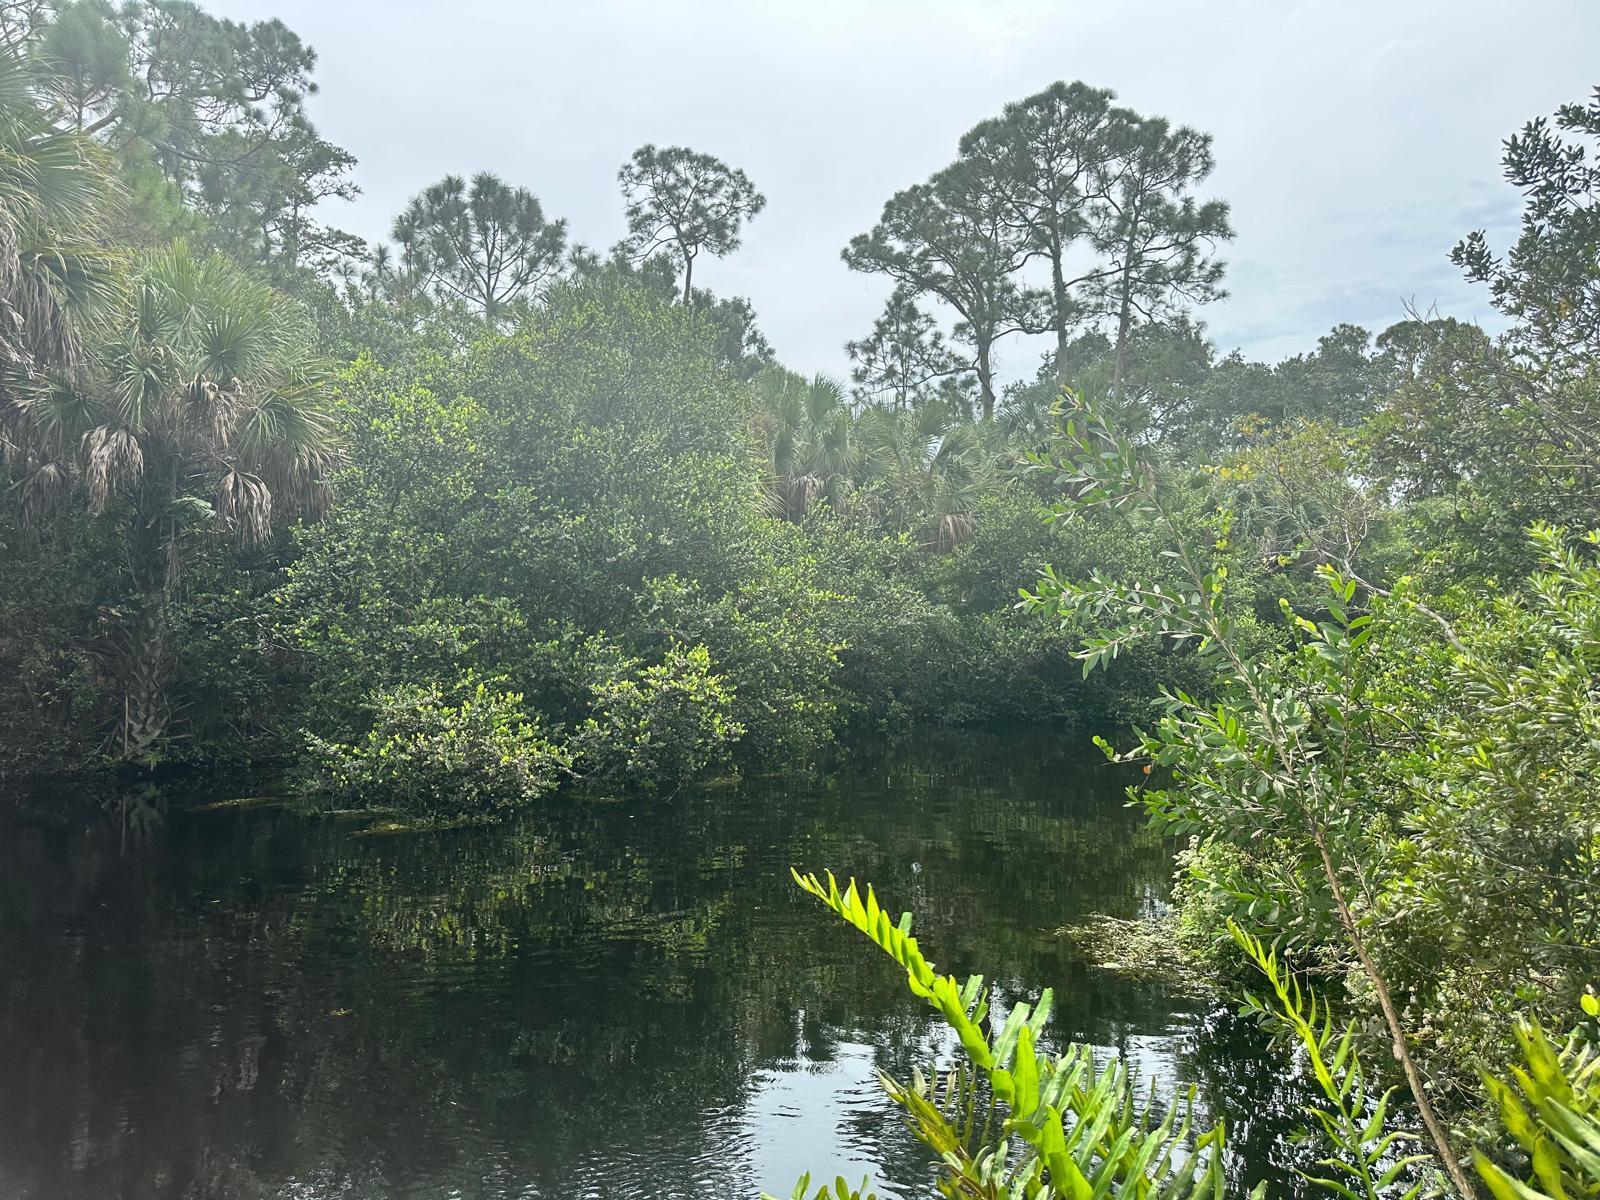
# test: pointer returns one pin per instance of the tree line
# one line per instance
(214, 340)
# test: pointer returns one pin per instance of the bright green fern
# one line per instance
(1017, 1123)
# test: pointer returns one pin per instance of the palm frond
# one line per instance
(245, 504)
(114, 462)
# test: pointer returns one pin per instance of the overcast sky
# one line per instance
(1355, 141)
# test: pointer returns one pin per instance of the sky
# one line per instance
(1355, 141)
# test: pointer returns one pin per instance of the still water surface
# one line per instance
(602, 999)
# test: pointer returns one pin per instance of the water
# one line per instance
(603, 999)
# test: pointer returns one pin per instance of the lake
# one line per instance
(603, 998)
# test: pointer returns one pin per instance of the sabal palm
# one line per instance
(933, 468)
(199, 413)
(202, 390)
(54, 187)
(810, 433)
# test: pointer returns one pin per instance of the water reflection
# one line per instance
(602, 999)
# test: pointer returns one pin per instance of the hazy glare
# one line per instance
(1355, 141)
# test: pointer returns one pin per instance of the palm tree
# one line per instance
(200, 413)
(933, 468)
(55, 186)
(809, 432)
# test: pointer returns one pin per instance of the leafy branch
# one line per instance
(1555, 1119)
(1272, 756)
(1015, 1121)
(1365, 1165)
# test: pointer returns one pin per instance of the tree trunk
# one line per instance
(1059, 291)
(1124, 325)
(986, 381)
(688, 278)
(143, 668)
(1437, 1133)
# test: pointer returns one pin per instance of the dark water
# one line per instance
(600, 1000)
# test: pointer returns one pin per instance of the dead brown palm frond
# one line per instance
(317, 496)
(211, 407)
(45, 303)
(113, 462)
(774, 498)
(63, 289)
(43, 490)
(244, 502)
(807, 489)
(955, 529)
(286, 436)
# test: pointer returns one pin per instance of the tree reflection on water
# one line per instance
(605, 997)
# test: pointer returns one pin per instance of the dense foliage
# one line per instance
(576, 477)
(1396, 792)
(427, 757)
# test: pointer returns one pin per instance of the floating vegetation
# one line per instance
(244, 802)
(1146, 949)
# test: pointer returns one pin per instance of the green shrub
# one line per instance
(663, 724)
(438, 755)
(776, 638)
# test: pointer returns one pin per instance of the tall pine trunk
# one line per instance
(1124, 324)
(1058, 285)
(986, 379)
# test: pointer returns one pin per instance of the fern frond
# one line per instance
(1070, 1128)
